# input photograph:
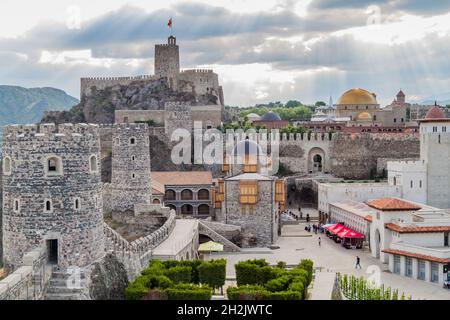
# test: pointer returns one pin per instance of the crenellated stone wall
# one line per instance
(89, 85)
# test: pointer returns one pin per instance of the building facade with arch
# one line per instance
(189, 193)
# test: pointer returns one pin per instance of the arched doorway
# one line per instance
(316, 160)
(187, 209)
(203, 209)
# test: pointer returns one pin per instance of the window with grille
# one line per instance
(421, 270)
(248, 192)
(434, 272)
(279, 191)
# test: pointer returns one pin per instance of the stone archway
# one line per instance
(316, 160)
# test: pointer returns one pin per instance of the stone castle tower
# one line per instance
(167, 61)
(52, 193)
(130, 181)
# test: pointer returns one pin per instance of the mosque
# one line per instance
(362, 109)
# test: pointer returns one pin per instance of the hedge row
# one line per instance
(257, 280)
(174, 280)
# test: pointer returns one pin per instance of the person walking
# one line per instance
(320, 240)
(300, 212)
(307, 218)
(358, 263)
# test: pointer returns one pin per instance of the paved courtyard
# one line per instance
(296, 244)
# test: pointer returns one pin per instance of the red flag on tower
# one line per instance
(170, 23)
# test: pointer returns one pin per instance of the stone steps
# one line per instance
(58, 288)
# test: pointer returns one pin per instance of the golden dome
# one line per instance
(364, 116)
(357, 96)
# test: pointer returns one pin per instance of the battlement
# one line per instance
(197, 71)
(130, 126)
(239, 136)
(166, 45)
(50, 129)
(130, 78)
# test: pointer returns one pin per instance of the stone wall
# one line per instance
(178, 116)
(89, 85)
(261, 221)
(136, 255)
(354, 156)
(28, 282)
(65, 204)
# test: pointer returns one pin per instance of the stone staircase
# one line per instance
(227, 244)
(59, 287)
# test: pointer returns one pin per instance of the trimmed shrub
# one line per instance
(213, 273)
(284, 295)
(247, 292)
(155, 294)
(246, 273)
(189, 292)
(162, 282)
(179, 274)
(278, 284)
(137, 289)
(307, 265)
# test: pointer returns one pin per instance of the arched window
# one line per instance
(170, 195)
(16, 205)
(203, 194)
(76, 204)
(132, 141)
(53, 166)
(7, 165)
(412, 184)
(48, 206)
(133, 158)
(156, 201)
(93, 164)
(186, 194)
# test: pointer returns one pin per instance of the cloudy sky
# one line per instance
(263, 50)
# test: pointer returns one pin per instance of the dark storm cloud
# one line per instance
(213, 35)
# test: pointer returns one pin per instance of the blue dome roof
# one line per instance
(270, 116)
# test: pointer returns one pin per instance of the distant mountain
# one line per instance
(21, 105)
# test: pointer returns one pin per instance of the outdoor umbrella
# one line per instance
(210, 246)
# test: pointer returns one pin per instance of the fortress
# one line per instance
(167, 65)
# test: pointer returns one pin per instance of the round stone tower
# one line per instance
(130, 181)
(52, 193)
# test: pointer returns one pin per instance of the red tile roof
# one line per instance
(392, 204)
(182, 177)
(399, 229)
(417, 256)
